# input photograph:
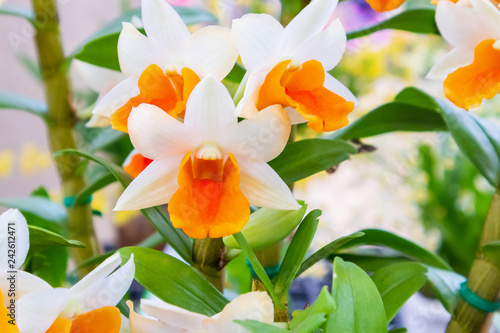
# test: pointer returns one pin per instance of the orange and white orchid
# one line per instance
(164, 317)
(288, 66)
(42, 309)
(210, 167)
(471, 71)
(164, 67)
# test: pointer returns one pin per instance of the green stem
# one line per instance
(483, 280)
(208, 254)
(60, 121)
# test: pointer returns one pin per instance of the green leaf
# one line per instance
(257, 267)
(268, 226)
(42, 238)
(446, 285)
(173, 236)
(296, 252)
(236, 74)
(102, 49)
(326, 251)
(491, 252)
(392, 117)
(50, 265)
(359, 305)
(19, 12)
(311, 323)
(390, 240)
(399, 330)
(304, 158)
(370, 261)
(97, 184)
(37, 206)
(254, 326)
(413, 20)
(13, 101)
(324, 304)
(174, 282)
(397, 283)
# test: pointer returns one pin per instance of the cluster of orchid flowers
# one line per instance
(192, 152)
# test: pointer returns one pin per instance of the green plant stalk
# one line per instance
(208, 259)
(483, 280)
(60, 121)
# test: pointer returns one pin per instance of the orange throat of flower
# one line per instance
(302, 87)
(209, 202)
(468, 86)
(167, 90)
(102, 320)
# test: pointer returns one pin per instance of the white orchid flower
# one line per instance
(43, 309)
(469, 71)
(164, 67)
(210, 167)
(288, 66)
(163, 317)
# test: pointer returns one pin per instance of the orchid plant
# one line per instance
(200, 127)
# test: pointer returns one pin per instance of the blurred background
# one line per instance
(416, 185)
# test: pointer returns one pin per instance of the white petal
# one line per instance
(260, 138)
(211, 50)
(456, 58)
(26, 283)
(487, 10)
(97, 78)
(251, 306)
(155, 134)
(154, 186)
(117, 97)
(262, 186)
(337, 87)
(108, 291)
(327, 47)
(259, 39)
(460, 26)
(173, 315)
(13, 230)
(295, 117)
(310, 21)
(140, 324)
(96, 120)
(136, 51)
(209, 110)
(164, 25)
(98, 274)
(247, 106)
(37, 311)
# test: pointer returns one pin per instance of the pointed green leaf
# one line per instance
(254, 326)
(173, 281)
(296, 252)
(307, 157)
(359, 305)
(37, 206)
(397, 283)
(268, 226)
(326, 251)
(413, 20)
(97, 184)
(13, 101)
(42, 238)
(446, 285)
(324, 304)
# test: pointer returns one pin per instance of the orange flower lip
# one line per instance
(209, 202)
(469, 85)
(169, 91)
(303, 89)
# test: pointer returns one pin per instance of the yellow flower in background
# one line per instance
(211, 167)
(6, 162)
(288, 66)
(34, 159)
(471, 71)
